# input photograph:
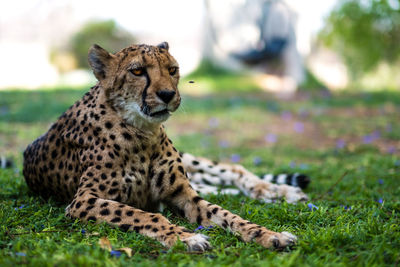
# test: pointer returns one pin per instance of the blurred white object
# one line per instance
(234, 26)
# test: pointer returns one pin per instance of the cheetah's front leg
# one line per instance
(204, 213)
(182, 197)
(88, 206)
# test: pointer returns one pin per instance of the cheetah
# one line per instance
(108, 157)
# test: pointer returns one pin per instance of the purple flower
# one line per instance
(257, 161)
(83, 231)
(312, 207)
(235, 158)
(346, 207)
(20, 254)
(391, 150)
(223, 143)
(380, 201)
(271, 138)
(368, 139)
(115, 253)
(20, 207)
(202, 228)
(286, 115)
(249, 212)
(340, 143)
(199, 228)
(380, 181)
(213, 122)
(298, 127)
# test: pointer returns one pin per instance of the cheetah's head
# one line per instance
(140, 81)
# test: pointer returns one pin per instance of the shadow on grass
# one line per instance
(46, 105)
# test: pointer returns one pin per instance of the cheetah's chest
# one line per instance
(135, 184)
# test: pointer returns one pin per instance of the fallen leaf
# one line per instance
(105, 243)
(128, 251)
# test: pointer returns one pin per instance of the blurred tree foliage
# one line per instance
(107, 34)
(364, 33)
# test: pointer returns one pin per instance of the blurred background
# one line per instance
(283, 44)
(289, 75)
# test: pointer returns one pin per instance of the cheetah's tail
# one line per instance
(6, 163)
(295, 179)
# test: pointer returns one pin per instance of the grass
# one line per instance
(356, 223)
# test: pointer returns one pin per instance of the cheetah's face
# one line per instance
(140, 81)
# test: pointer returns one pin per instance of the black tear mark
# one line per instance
(144, 94)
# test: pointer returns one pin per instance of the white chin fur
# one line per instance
(133, 115)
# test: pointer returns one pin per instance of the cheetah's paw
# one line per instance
(279, 240)
(197, 242)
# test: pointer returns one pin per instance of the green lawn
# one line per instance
(348, 143)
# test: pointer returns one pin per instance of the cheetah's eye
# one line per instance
(138, 71)
(172, 70)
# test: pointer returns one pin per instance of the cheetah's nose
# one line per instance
(166, 95)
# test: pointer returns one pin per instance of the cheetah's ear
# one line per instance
(163, 45)
(99, 61)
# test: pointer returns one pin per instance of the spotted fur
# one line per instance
(206, 175)
(109, 157)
